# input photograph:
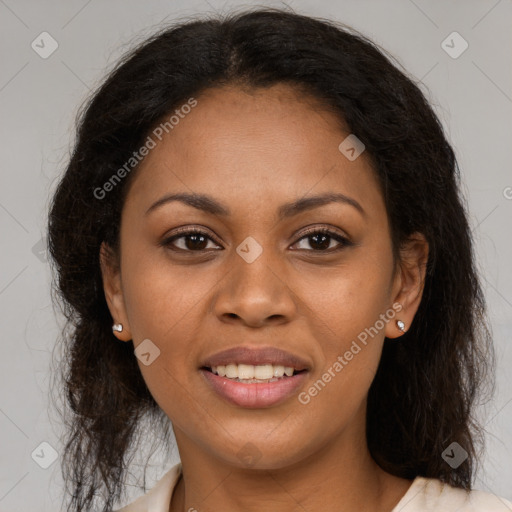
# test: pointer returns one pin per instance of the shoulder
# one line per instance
(158, 498)
(430, 494)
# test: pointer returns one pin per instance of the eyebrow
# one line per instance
(208, 204)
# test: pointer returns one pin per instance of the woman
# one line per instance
(260, 237)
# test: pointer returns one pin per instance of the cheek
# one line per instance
(163, 306)
(159, 295)
(344, 310)
(349, 356)
(346, 299)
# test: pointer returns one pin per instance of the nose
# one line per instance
(255, 294)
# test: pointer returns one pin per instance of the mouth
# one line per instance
(253, 374)
(254, 393)
(254, 377)
(249, 359)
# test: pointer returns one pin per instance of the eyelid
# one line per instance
(200, 230)
(323, 229)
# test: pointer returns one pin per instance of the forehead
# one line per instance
(255, 146)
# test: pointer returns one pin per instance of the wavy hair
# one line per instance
(424, 393)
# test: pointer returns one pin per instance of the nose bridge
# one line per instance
(253, 269)
(256, 288)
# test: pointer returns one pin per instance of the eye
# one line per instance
(322, 238)
(194, 240)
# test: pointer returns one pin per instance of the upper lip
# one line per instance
(256, 356)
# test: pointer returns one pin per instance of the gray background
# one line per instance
(39, 98)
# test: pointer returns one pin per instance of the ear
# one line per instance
(409, 282)
(111, 274)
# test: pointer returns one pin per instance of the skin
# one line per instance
(254, 150)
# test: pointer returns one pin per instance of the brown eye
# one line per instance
(320, 240)
(194, 240)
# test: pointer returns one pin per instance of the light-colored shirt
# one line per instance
(424, 495)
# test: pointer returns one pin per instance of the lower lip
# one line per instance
(254, 395)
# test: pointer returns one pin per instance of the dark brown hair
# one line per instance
(424, 392)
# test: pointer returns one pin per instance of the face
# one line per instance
(259, 275)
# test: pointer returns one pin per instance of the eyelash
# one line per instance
(345, 242)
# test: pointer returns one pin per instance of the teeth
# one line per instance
(248, 371)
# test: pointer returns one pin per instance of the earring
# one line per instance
(117, 327)
(400, 325)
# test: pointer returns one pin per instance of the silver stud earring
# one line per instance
(400, 325)
(117, 327)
